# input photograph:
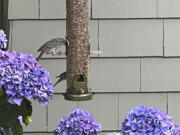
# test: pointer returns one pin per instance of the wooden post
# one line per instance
(78, 53)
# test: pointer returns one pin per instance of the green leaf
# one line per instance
(8, 114)
(2, 92)
(3, 100)
(26, 111)
(6, 131)
(3, 96)
(17, 128)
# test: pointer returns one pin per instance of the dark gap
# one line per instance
(81, 78)
(1, 10)
(5, 24)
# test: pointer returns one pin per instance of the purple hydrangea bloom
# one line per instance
(79, 122)
(176, 130)
(3, 40)
(147, 121)
(23, 77)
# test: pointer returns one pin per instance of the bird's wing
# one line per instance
(60, 51)
(53, 43)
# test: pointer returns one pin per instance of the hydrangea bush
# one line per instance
(148, 121)
(3, 40)
(79, 122)
(22, 78)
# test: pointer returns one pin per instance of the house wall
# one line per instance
(4, 22)
(140, 64)
(0, 12)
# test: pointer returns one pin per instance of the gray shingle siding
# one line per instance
(140, 64)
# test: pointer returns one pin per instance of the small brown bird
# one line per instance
(61, 77)
(51, 47)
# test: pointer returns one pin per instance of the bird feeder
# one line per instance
(78, 51)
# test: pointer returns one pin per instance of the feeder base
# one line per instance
(83, 97)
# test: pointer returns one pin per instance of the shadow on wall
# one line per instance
(4, 22)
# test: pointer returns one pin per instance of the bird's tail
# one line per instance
(56, 83)
(40, 55)
(59, 80)
(61, 77)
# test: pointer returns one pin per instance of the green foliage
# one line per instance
(17, 128)
(26, 111)
(9, 114)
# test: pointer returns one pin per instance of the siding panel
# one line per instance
(172, 40)
(124, 8)
(104, 108)
(115, 75)
(55, 9)
(124, 38)
(23, 9)
(160, 74)
(168, 8)
(173, 108)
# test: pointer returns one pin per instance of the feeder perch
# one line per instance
(78, 51)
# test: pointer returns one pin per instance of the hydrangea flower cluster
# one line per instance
(147, 121)
(3, 40)
(79, 122)
(23, 77)
(176, 130)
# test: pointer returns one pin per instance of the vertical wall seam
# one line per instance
(47, 118)
(98, 37)
(167, 105)
(140, 75)
(39, 9)
(91, 14)
(157, 8)
(163, 38)
(118, 113)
